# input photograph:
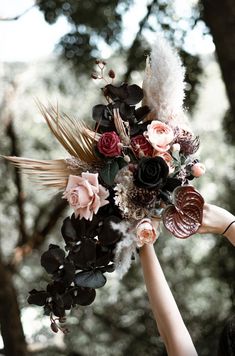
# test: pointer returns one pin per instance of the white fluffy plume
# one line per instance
(164, 81)
(125, 248)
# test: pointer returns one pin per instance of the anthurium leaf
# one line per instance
(109, 171)
(90, 279)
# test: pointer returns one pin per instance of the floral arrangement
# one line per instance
(124, 178)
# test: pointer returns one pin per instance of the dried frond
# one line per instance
(47, 173)
(70, 133)
(120, 127)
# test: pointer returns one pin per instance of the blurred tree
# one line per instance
(94, 23)
(120, 321)
(220, 18)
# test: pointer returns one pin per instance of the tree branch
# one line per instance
(40, 234)
(10, 131)
(138, 34)
(17, 17)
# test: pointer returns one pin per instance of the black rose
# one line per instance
(151, 173)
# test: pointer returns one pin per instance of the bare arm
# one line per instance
(216, 220)
(169, 321)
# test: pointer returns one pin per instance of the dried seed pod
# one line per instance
(54, 327)
(111, 74)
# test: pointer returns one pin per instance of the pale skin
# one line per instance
(169, 321)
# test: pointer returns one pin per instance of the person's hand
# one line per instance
(215, 221)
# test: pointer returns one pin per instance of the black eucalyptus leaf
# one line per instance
(38, 297)
(84, 296)
(68, 232)
(135, 94)
(84, 255)
(108, 234)
(141, 113)
(57, 310)
(90, 279)
(52, 259)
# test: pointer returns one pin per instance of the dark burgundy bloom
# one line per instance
(108, 144)
(140, 145)
(151, 173)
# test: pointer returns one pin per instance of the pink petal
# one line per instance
(92, 178)
(73, 181)
(84, 198)
(96, 204)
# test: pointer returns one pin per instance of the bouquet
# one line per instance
(125, 177)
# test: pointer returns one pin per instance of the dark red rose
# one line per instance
(108, 144)
(139, 143)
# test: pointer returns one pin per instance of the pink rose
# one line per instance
(85, 195)
(198, 169)
(167, 158)
(141, 146)
(159, 135)
(109, 144)
(146, 232)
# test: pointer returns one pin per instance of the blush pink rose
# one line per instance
(145, 232)
(160, 135)
(167, 158)
(85, 195)
(141, 146)
(198, 169)
(109, 144)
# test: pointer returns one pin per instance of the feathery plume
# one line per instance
(164, 82)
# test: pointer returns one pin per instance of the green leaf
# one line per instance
(109, 171)
(121, 162)
(90, 279)
(176, 156)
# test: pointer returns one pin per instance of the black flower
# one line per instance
(151, 173)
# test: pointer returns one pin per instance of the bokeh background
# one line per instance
(47, 51)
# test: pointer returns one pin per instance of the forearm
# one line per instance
(170, 323)
(216, 220)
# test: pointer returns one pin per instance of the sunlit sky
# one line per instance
(31, 38)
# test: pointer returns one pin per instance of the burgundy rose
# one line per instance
(108, 144)
(140, 145)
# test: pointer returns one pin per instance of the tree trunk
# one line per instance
(11, 327)
(220, 18)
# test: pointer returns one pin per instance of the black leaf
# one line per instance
(108, 235)
(38, 297)
(84, 296)
(90, 279)
(52, 259)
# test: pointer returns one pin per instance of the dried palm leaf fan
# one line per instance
(75, 137)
